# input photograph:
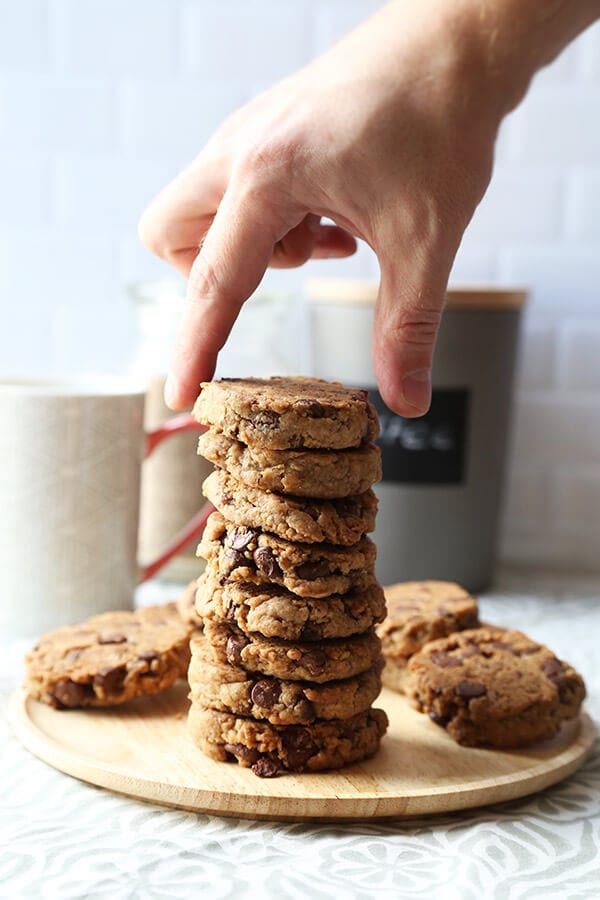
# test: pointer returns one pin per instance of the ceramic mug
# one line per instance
(70, 465)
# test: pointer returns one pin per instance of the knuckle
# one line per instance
(203, 282)
(266, 156)
(417, 327)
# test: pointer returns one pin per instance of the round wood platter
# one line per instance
(143, 750)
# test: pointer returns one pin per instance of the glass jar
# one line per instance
(172, 478)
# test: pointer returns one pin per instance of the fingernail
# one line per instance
(416, 387)
(170, 391)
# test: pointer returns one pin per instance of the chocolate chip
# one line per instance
(442, 721)
(564, 686)
(346, 731)
(231, 612)
(267, 766)
(241, 537)
(69, 694)
(266, 693)
(266, 562)
(552, 668)
(350, 506)
(502, 645)
(313, 409)
(312, 570)
(244, 754)
(148, 655)
(233, 649)
(312, 511)
(112, 639)
(265, 419)
(298, 745)
(311, 632)
(235, 559)
(110, 679)
(314, 661)
(443, 659)
(470, 689)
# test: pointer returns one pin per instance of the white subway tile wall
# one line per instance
(103, 101)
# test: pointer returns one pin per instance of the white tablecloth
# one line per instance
(60, 838)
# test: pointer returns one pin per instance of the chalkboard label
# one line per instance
(427, 450)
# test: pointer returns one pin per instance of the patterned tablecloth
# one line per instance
(60, 838)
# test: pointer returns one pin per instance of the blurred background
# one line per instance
(103, 101)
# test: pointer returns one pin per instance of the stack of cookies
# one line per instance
(285, 672)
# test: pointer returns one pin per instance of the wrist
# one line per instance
(513, 39)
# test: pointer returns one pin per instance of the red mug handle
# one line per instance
(194, 528)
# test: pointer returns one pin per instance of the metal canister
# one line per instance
(443, 473)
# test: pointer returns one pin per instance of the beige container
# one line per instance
(443, 473)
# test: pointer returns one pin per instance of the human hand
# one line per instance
(390, 135)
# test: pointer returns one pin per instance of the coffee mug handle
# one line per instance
(194, 528)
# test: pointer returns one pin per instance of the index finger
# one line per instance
(228, 268)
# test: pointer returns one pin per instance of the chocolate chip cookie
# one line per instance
(308, 521)
(270, 750)
(284, 413)
(318, 661)
(417, 612)
(273, 611)
(492, 687)
(109, 659)
(309, 570)
(232, 689)
(303, 473)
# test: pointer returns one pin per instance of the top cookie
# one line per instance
(283, 413)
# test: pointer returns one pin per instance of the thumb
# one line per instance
(409, 308)
(227, 270)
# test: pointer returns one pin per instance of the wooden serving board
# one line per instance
(142, 749)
